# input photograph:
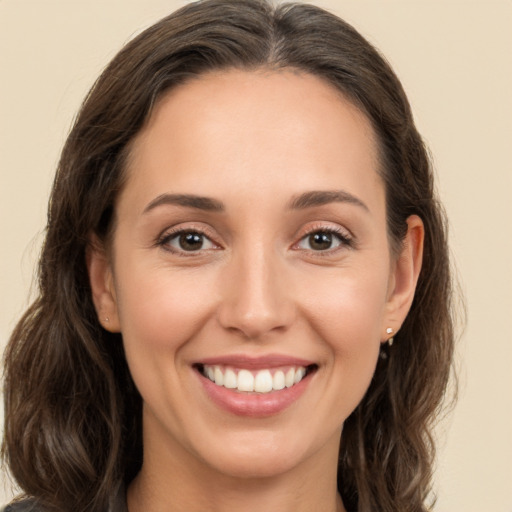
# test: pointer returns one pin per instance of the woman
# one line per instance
(244, 287)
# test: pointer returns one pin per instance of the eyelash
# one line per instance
(346, 240)
(164, 240)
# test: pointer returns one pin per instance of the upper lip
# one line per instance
(255, 362)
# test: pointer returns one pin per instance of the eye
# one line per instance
(187, 241)
(323, 240)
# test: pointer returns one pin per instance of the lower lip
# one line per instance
(254, 404)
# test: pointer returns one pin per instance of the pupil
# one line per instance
(320, 241)
(191, 241)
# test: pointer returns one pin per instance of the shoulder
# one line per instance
(22, 506)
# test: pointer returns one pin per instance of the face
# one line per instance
(250, 273)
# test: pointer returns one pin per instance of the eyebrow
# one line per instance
(301, 202)
(187, 200)
(322, 197)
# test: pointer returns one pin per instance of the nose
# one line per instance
(256, 298)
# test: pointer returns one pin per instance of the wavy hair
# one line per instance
(72, 412)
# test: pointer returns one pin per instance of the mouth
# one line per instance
(255, 388)
(264, 380)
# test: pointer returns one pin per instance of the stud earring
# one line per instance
(107, 319)
(389, 330)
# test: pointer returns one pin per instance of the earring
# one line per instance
(384, 351)
(389, 330)
(107, 319)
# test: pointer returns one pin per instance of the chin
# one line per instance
(256, 466)
(264, 455)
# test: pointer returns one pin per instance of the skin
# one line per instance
(253, 141)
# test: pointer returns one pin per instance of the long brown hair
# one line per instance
(72, 412)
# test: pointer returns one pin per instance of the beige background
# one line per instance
(454, 58)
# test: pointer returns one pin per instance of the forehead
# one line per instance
(255, 129)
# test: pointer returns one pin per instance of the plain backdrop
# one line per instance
(455, 61)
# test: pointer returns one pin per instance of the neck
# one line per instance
(250, 496)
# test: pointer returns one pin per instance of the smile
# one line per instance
(255, 387)
(261, 381)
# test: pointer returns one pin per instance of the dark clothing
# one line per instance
(29, 505)
(21, 506)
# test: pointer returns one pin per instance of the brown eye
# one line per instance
(323, 240)
(188, 241)
(191, 241)
(320, 241)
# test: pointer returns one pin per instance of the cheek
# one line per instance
(162, 310)
(347, 308)
(346, 317)
(343, 314)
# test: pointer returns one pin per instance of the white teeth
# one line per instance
(278, 380)
(245, 381)
(299, 374)
(219, 376)
(289, 379)
(230, 380)
(261, 381)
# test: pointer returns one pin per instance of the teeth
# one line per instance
(299, 374)
(230, 381)
(245, 381)
(278, 380)
(261, 381)
(219, 376)
(289, 380)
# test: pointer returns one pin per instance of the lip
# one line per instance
(254, 405)
(255, 363)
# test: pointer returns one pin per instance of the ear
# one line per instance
(102, 284)
(404, 276)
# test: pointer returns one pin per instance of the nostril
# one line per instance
(254, 324)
